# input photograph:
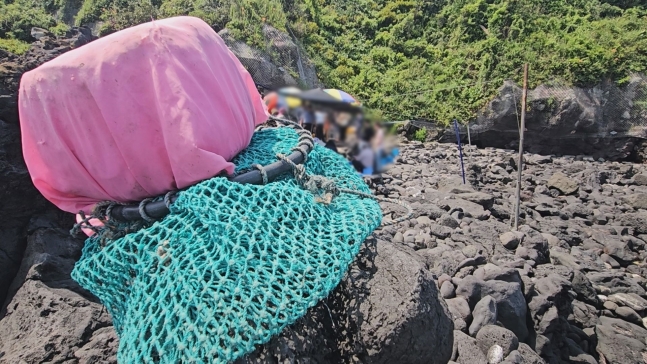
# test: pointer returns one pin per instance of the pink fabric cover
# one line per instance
(143, 111)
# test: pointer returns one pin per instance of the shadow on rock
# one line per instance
(386, 310)
(49, 317)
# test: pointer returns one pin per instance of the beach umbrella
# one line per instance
(289, 91)
(320, 97)
(290, 101)
(288, 97)
(343, 96)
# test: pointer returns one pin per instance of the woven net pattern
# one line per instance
(232, 264)
(264, 147)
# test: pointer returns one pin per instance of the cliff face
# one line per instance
(281, 63)
(605, 121)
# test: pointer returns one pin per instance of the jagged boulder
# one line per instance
(602, 121)
(597, 121)
(50, 318)
(387, 310)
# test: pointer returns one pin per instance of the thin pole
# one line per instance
(460, 150)
(524, 94)
(469, 139)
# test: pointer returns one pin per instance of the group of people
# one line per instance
(361, 141)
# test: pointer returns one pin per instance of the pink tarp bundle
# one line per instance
(147, 110)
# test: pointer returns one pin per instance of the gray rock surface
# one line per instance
(510, 302)
(562, 183)
(460, 306)
(529, 356)
(620, 341)
(629, 315)
(20, 200)
(274, 66)
(637, 201)
(466, 350)
(258, 62)
(49, 318)
(485, 313)
(491, 335)
(510, 240)
(405, 322)
(637, 221)
(582, 244)
(447, 290)
(554, 115)
(514, 358)
(630, 300)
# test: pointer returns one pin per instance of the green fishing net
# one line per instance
(232, 264)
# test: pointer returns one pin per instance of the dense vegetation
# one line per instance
(436, 59)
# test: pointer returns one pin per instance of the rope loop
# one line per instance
(314, 184)
(303, 153)
(142, 209)
(83, 224)
(167, 199)
(263, 172)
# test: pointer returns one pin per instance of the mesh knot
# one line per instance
(323, 188)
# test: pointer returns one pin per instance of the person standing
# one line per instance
(321, 118)
(307, 118)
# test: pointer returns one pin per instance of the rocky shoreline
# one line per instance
(453, 283)
(569, 286)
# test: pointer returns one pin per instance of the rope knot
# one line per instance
(324, 189)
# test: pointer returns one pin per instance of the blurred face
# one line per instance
(342, 117)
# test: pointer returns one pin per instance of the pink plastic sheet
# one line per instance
(149, 109)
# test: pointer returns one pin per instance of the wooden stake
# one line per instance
(524, 95)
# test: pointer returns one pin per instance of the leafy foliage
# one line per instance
(19, 16)
(14, 45)
(439, 60)
(444, 60)
(420, 135)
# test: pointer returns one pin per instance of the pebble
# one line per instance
(628, 314)
(443, 278)
(611, 306)
(510, 240)
(447, 290)
(495, 354)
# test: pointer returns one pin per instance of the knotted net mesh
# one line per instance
(232, 264)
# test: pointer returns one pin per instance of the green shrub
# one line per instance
(14, 46)
(59, 29)
(443, 60)
(18, 17)
(420, 135)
